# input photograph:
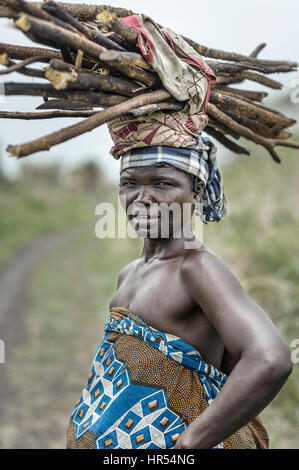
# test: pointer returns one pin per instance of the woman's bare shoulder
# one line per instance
(125, 271)
(202, 264)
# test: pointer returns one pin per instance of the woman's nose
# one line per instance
(144, 195)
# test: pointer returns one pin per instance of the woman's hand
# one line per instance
(186, 440)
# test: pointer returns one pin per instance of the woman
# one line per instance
(188, 360)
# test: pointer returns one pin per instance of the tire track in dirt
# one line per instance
(15, 276)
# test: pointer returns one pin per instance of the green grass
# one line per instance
(35, 205)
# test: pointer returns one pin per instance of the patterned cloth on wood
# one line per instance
(184, 74)
(145, 387)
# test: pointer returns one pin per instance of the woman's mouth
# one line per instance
(145, 218)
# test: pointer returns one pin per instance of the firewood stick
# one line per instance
(250, 95)
(89, 12)
(110, 19)
(128, 46)
(58, 74)
(124, 59)
(152, 108)
(225, 130)
(80, 11)
(45, 143)
(14, 67)
(24, 52)
(39, 89)
(46, 114)
(247, 75)
(251, 110)
(229, 144)
(255, 77)
(232, 56)
(36, 11)
(65, 105)
(268, 144)
(60, 12)
(257, 127)
(258, 49)
(226, 67)
(125, 31)
(61, 36)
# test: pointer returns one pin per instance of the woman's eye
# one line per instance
(127, 184)
(161, 184)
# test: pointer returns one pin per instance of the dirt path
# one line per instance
(14, 282)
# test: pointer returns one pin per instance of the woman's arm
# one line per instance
(248, 334)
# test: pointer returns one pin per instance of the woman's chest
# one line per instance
(154, 293)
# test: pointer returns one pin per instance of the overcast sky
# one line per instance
(233, 25)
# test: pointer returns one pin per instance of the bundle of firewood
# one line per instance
(94, 62)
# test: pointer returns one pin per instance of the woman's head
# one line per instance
(159, 197)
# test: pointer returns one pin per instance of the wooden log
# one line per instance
(45, 143)
(223, 129)
(45, 114)
(268, 144)
(89, 12)
(232, 56)
(24, 52)
(61, 36)
(60, 12)
(257, 127)
(14, 67)
(110, 19)
(36, 11)
(263, 115)
(39, 89)
(250, 95)
(239, 77)
(229, 144)
(128, 46)
(64, 105)
(87, 80)
(83, 12)
(229, 68)
(153, 108)
(124, 59)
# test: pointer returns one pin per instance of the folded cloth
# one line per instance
(181, 69)
(175, 129)
(145, 387)
(199, 160)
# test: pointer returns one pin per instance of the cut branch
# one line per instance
(39, 89)
(17, 67)
(45, 143)
(51, 32)
(64, 76)
(248, 109)
(46, 114)
(229, 144)
(268, 144)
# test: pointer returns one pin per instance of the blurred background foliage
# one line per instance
(61, 300)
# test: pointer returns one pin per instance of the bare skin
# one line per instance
(192, 294)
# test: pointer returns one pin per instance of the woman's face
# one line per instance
(158, 199)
